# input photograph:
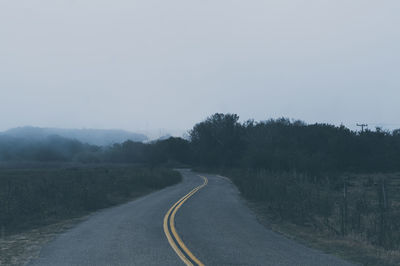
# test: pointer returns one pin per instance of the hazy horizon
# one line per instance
(150, 133)
(151, 65)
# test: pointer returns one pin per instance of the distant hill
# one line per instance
(167, 136)
(99, 137)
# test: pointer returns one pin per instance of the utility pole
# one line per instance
(362, 126)
(383, 206)
(344, 209)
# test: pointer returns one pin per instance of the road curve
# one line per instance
(213, 223)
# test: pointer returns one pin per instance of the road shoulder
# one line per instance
(19, 249)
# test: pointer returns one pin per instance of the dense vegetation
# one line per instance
(30, 197)
(221, 141)
(284, 145)
(59, 149)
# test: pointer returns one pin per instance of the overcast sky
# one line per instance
(149, 64)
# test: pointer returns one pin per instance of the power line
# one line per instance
(385, 124)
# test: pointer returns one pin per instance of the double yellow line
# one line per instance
(170, 231)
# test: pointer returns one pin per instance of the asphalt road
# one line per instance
(212, 223)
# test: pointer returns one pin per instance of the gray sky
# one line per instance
(150, 64)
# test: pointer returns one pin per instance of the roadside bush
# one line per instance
(289, 196)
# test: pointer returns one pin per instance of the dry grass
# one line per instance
(352, 247)
(20, 248)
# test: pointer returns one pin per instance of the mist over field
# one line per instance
(89, 136)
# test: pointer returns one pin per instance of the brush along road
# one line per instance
(201, 221)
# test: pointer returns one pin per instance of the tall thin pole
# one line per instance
(362, 126)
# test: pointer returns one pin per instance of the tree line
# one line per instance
(221, 141)
(284, 145)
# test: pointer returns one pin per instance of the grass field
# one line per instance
(35, 196)
(355, 216)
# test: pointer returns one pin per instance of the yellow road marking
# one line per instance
(169, 219)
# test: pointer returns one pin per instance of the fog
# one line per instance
(146, 65)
